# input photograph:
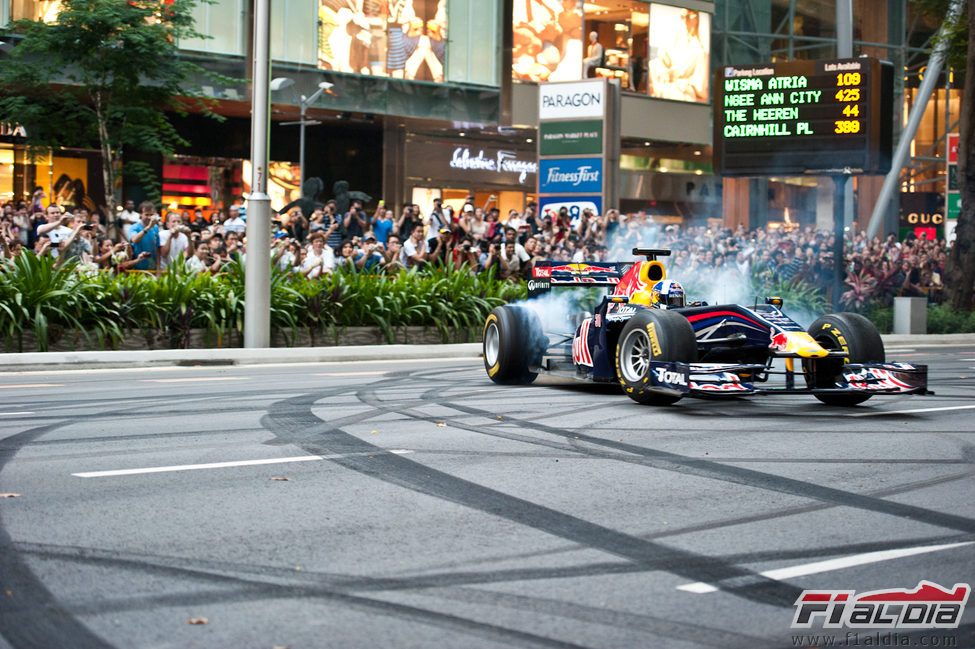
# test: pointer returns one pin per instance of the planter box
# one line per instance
(202, 339)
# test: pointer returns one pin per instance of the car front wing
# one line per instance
(717, 379)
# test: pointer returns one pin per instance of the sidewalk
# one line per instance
(230, 356)
(237, 356)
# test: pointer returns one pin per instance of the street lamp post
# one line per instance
(257, 270)
(304, 102)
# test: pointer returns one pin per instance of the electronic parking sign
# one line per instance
(804, 117)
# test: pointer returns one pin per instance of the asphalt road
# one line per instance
(416, 504)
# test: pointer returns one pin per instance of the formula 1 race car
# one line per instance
(660, 349)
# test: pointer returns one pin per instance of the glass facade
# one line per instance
(372, 49)
(224, 21)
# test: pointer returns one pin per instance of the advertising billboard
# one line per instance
(405, 39)
(571, 176)
(574, 204)
(680, 47)
(547, 40)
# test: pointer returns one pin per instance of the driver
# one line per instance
(667, 294)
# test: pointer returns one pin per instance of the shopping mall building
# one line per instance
(439, 98)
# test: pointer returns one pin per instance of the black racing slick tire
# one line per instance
(652, 335)
(852, 333)
(513, 344)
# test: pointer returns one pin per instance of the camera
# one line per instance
(87, 226)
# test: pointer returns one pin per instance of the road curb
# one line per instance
(928, 340)
(32, 361)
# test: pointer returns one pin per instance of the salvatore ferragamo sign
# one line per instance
(497, 162)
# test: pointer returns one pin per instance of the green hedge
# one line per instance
(35, 297)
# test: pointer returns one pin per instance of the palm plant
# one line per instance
(45, 299)
(36, 296)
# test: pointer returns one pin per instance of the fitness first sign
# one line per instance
(579, 99)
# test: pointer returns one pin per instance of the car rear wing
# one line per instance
(549, 274)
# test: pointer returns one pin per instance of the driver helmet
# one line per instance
(667, 294)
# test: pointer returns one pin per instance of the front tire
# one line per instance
(858, 338)
(513, 343)
(652, 335)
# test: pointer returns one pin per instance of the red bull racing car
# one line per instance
(659, 349)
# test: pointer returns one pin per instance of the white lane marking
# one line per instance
(829, 565)
(224, 465)
(11, 414)
(195, 379)
(908, 412)
(33, 385)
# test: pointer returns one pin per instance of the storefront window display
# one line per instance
(454, 168)
(405, 39)
(620, 30)
(652, 48)
(504, 201)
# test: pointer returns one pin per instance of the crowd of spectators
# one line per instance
(474, 238)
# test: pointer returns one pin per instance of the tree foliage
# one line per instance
(103, 76)
(960, 267)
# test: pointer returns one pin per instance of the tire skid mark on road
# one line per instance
(32, 616)
(236, 401)
(242, 577)
(37, 619)
(704, 468)
(263, 583)
(783, 512)
(708, 469)
(293, 420)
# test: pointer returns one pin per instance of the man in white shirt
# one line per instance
(173, 241)
(512, 261)
(56, 228)
(319, 258)
(414, 252)
(514, 220)
(128, 217)
(234, 222)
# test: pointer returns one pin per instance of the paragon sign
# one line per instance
(501, 162)
(571, 100)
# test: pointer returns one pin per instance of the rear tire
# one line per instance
(853, 334)
(513, 342)
(652, 335)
